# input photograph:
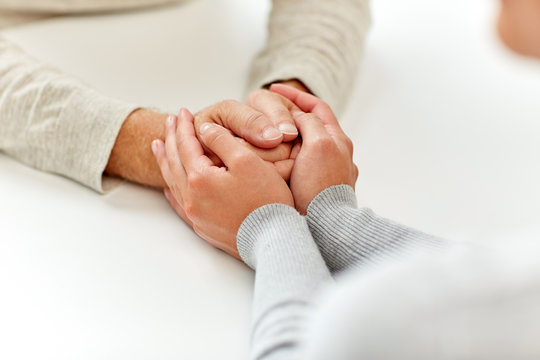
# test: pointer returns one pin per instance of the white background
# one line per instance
(445, 123)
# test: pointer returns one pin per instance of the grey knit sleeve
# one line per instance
(276, 242)
(53, 122)
(318, 42)
(348, 236)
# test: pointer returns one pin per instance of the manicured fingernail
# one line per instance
(204, 128)
(170, 120)
(288, 129)
(271, 133)
(155, 146)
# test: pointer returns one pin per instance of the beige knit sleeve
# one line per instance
(319, 42)
(76, 6)
(53, 122)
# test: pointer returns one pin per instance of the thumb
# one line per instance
(244, 121)
(220, 141)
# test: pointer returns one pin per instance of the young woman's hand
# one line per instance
(325, 156)
(215, 200)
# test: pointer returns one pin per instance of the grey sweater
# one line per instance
(401, 294)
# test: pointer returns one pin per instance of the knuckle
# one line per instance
(190, 209)
(227, 103)
(195, 181)
(225, 107)
(254, 96)
(348, 142)
(282, 113)
(255, 119)
(324, 144)
(213, 136)
(198, 118)
(243, 159)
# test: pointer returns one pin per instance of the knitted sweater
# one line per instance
(55, 123)
(401, 294)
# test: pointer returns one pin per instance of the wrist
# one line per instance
(329, 199)
(131, 157)
(266, 224)
(295, 83)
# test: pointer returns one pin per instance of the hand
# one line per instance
(325, 156)
(243, 120)
(215, 200)
(255, 130)
(277, 109)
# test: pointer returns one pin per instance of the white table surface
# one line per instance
(445, 122)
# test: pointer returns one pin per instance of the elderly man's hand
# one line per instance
(256, 128)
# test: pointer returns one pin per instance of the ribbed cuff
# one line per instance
(347, 236)
(329, 198)
(269, 225)
(93, 122)
(276, 242)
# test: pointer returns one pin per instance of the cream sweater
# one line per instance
(53, 122)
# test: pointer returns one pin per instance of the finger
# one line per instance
(245, 122)
(277, 108)
(311, 128)
(171, 149)
(191, 152)
(296, 149)
(177, 207)
(280, 152)
(307, 103)
(284, 168)
(227, 148)
(158, 148)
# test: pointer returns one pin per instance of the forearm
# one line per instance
(348, 236)
(55, 123)
(275, 241)
(80, 6)
(319, 43)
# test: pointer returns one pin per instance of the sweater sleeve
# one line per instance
(53, 122)
(276, 242)
(348, 236)
(318, 42)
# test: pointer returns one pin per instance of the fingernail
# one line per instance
(170, 120)
(271, 133)
(297, 113)
(204, 127)
(288, 129)
(155, 146)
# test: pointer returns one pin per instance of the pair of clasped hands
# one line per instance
(218, 175)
